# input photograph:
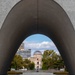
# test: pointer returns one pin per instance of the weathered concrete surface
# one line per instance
(29, 17)
(5, 7)
(32, 16)
(67, 5)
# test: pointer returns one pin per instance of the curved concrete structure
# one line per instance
(67, 5)
(37, 16)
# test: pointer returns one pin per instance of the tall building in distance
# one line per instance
(21, 47)
(24, 53)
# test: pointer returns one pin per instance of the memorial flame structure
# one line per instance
(37, 16)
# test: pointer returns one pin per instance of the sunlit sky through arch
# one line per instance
(39, 42)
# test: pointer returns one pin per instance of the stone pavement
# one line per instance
(37, 73)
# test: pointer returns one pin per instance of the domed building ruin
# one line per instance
(37, 59)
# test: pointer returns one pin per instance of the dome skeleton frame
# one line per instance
(37, 53)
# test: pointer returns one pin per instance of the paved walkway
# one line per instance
(37, 73)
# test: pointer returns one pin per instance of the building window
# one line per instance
(37, 67)
(37, 58)
(38, 63)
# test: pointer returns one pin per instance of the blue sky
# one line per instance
(37, 38)
(39, 42)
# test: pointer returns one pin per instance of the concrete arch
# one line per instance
(37, 16)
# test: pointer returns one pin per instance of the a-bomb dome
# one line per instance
(37, 53)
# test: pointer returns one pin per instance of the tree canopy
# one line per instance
(52, 60)
(19, 63)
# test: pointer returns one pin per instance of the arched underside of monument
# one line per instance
(37, 16)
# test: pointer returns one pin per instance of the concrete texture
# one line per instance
(67, 5)
(37, 16)
(5, 7)
(37, 73)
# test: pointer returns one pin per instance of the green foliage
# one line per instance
(44, 64)
(59, 63)
(51, 60)
(31, 65)
(17, 62)
(47, 53)
(28, 64)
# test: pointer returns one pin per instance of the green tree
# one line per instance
(17, 62)
(59, 63)
(31, 66)
(51, 60)
(45, 64)
(26, 63)
(48, 59)
(47, 53)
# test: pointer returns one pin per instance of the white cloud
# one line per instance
(40, 45)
